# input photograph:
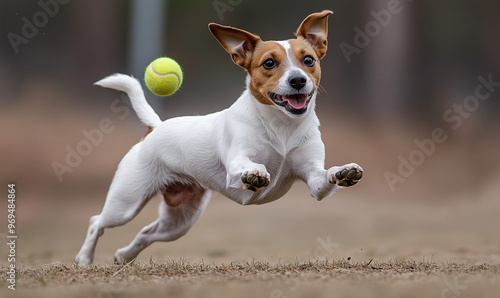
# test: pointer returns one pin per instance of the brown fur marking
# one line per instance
(180, 194)
(264, 80)
(302, 48)
(150, 129)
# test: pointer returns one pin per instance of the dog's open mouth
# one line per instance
(294, 103)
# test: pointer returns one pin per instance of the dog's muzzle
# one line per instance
(294, 103)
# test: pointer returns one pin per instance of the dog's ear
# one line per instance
(314, 29)
(239, 43)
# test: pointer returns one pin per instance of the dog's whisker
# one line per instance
(320, 88)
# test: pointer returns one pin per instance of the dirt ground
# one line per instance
(435, 236)
(349, 245)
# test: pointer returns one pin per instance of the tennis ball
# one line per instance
(163, 76)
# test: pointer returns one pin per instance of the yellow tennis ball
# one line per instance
(163, 76)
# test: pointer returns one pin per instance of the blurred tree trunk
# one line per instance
(147, 36)
(387, 61)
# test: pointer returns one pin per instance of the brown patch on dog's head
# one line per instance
(263, 79)
(250, 52)
(314, 29)
(238, 43)
(301, 48)
(264, 61)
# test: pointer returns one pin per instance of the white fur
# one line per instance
(292, 68)
(133, 88)
(204, 153)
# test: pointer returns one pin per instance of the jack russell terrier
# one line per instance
(251, 152)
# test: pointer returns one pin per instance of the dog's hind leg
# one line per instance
(178, 212)
(131, 189)
(86, 254)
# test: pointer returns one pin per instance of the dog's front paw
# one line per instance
(347, 175)
(255, 180)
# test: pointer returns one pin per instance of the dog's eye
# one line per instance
(309, 61)
(269, 64)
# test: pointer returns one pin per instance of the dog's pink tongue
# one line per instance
(296, 101)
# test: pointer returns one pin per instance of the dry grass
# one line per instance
(355, 244)
(179, 278)
(183, 271)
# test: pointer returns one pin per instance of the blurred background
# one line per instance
(395, 71)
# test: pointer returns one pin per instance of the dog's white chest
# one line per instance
(281, 174)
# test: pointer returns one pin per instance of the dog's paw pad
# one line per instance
(255, 181)
(348, 176)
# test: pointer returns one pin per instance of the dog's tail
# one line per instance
(133, 88)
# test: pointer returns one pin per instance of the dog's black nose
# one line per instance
(297, 81)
